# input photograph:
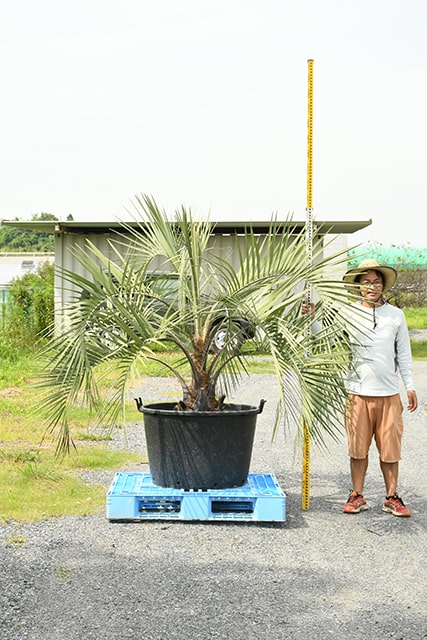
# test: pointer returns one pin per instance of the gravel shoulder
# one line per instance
(320, 574)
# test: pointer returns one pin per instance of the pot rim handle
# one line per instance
(261, 405)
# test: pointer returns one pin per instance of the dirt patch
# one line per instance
(9, 392)
(418, 334)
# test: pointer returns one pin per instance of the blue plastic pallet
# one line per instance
(133, 496)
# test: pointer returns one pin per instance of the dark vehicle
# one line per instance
(227, 332)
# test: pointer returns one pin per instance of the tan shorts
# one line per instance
(376, 417)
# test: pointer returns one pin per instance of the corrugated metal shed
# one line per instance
(71, 233)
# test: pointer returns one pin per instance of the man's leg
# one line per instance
(390, 472)
(358, 468)
(393, 503)
(388, 437)
(356, 502)
(359, 433)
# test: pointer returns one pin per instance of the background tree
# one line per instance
(28, 314)
(12, 239)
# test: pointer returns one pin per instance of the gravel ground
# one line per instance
(320, 574)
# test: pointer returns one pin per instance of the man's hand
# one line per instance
(412, 400)
(305, 307)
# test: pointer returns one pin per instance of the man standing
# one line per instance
(380, 351)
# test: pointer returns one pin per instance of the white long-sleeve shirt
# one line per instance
(381, 349)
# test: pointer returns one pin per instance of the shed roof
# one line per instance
(220, 227)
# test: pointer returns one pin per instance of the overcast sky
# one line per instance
(204, 103)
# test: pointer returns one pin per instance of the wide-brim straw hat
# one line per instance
(370, 264)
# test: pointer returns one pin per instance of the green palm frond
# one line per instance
(161, 283)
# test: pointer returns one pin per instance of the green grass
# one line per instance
(42, 493)
(419, 350)
(45, 487)
(416, 318)
(34, 484)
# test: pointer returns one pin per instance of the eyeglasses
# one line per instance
(376, 284)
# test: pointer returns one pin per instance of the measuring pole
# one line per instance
(308, 293)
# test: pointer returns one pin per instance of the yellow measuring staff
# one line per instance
(310, 138)
(309, 240)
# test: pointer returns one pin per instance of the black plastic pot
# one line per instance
(199, 450)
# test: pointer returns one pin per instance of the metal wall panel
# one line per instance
(67, 243)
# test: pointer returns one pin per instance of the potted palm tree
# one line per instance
(162, 293)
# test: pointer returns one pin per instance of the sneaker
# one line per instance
(393, 504)
(355, 503)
